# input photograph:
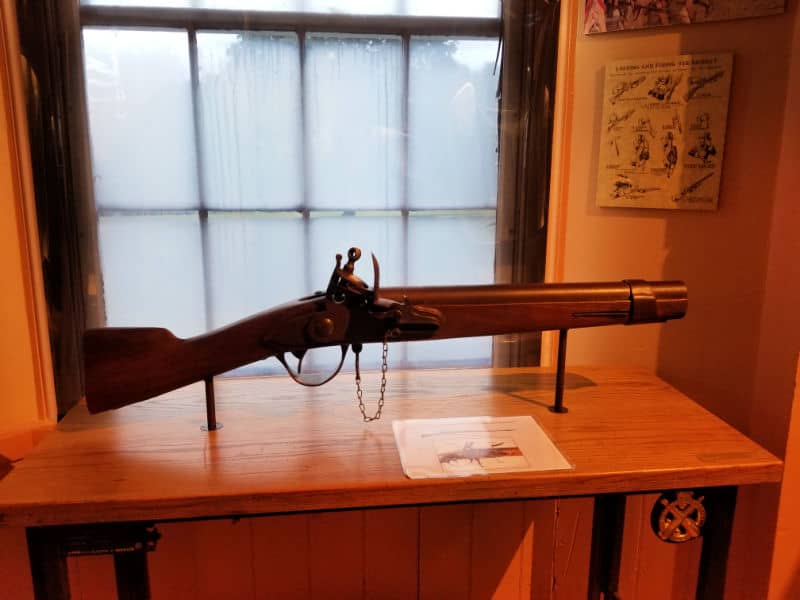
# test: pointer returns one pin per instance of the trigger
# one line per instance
(299, 355)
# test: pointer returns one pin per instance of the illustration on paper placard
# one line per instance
(701, 121)
(644, 125)
(601, 16)
(698, 83)
(615, 120)
(657, 143)
(691, 188)
(664, 86)
(486, 454)
(625, 187)
(670, 153)
(704, 150)
(641, 152)
(624, 87)
(676, 122)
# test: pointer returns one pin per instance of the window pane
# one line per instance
(452, 123)
(469, 239)
(354, 121)
(153, 272)
(140, 118)
(250, 120)
(451, 249)
(257, 261)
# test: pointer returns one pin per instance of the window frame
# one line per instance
(51, 47)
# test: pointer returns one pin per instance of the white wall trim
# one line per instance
(14, 111)
(559, 170)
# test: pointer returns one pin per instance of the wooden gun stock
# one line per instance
(122, 365)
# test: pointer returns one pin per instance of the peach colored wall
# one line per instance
(785, 573)
(779, 343)
(735, 350)
(713, 352)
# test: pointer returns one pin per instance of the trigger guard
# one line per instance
(297, 377)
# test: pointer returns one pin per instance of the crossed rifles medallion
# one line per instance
(680, 519)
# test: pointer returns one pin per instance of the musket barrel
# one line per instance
(541, 307)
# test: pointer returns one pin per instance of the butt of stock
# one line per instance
(127, 364)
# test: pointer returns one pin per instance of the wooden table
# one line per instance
(285, 448)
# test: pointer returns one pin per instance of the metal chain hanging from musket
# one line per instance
(360, 393)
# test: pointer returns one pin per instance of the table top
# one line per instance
(287, 448)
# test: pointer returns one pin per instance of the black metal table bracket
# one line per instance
(49, 547)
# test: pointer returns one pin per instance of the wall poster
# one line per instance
(601, 16)
(663, 132)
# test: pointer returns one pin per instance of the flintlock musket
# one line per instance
(128, 365)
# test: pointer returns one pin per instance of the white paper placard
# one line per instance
(460, 447)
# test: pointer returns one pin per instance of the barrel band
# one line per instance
(644, 307)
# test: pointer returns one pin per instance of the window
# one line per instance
(230, 166)
(199, 160)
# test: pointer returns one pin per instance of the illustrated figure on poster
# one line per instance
(664, 86)
(692, 187)
(701, 121)
(705, 149)
(624, 87)
(676, 122)
(594, 17)
(615, 120)
(698, 83)
(636, 14)
(625, 188)
(685, 12)
(641, 151)
(614, 143)
(646, 126)
(619, 15)
(670, 153)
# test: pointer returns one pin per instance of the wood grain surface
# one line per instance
(284, 448)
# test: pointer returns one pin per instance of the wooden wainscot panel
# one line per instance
(471, 550)
(391, 549)
(15, 573)
(281, 566)
(573, 548)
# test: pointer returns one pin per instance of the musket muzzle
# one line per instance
(654, 302)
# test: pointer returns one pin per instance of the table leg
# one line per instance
(720, 505)
(606, 554)
(133, 582)
(48, 559)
